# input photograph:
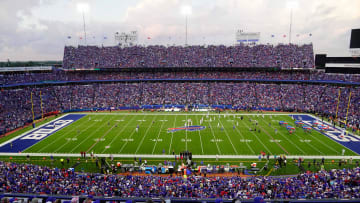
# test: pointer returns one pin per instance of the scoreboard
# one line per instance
(247, 37)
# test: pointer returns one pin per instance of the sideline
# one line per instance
(172, 156)
(188, 114)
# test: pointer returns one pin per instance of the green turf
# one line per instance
(114, 133)
(88, 165)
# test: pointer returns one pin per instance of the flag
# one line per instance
(80, 37)
(297, 35)
(310, 34)
(148, 37)
(69, 37)
(272, 35)
(105, 37)
(284, 35)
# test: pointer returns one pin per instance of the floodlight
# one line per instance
(292, 4)
(186, 10)
(83, 7)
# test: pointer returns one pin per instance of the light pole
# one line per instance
(290, 25)
(186, 11)
(186, 17)
(292, 4)
(83, 8)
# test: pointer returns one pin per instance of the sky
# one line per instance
(39, 29)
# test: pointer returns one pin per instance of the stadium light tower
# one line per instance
(186, 11)
(292, 4)
(83, 8)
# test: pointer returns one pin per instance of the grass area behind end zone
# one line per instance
(27, 128)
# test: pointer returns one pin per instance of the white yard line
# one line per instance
(267, 149)
(186, 121)
(147, 130)
(122, 129)
(228, 137)
(320, 152)
(201, 144)
(214, 137)
(192, 114)
(287, 138)
(129, 137)
(162, 124)
(329, 137)
(62, 136)
(172, 135)
(242, 137)
(92, 134)
(314, 148)
(314, 136)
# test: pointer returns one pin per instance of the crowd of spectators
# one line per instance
(16, 111)
(282, 56)
(18, 78)
(26, 178)
(15, 104)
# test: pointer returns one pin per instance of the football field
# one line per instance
(199, 133)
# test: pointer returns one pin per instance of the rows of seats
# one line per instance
(15, 104)
(26, 178)
(17, 78)
(267, 56)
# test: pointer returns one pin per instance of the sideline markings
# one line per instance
(157, 138)
(65, 144)
(195, 156)
(130, 137)
(227, 135)
(117, 135)
(147, 130)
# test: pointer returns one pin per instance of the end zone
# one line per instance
(25, 140)
(349, 141)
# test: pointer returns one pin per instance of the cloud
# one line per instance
(38, 29)
(14, 16)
